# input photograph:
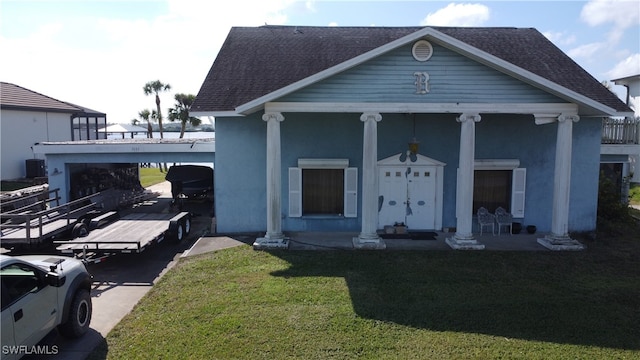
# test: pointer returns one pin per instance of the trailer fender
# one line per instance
(80, 229)
(179, 226)
(104, 219)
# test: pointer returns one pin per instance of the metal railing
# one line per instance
(621, 131)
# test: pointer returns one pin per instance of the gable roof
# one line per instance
(259, 64)
(16, 97)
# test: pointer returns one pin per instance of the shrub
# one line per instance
(613, 214)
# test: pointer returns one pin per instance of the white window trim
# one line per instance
(323, 163)
(518, 181)
(350, 194)
(496, 164)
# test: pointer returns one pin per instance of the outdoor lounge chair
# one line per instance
(485, 218)
(503, 218)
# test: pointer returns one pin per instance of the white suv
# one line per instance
(40, 293)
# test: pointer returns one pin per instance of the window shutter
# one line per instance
(295, 192)
(351, 192)
(518, 186)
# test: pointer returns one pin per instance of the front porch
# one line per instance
(344, 241)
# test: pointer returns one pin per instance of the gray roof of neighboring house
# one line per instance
(18, 98)
(255, 61)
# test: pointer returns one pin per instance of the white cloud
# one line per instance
(587, 50)
(458, 15)
(560, 38)
(620, 14)
(627, 67)
(177, 47)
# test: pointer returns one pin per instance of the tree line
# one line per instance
(180, 110)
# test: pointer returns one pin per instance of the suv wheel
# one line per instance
(77, 322)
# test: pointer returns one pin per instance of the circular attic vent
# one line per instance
(422, 50)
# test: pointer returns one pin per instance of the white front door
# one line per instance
(407, 194)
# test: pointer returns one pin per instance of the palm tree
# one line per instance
(146, 116)
(181, 110)
(155, 87)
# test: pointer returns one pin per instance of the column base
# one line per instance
(560, 243)
(265, 243)
(369, 243)
(464, 244)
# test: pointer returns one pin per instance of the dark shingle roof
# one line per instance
(255, 61)
(18, 98)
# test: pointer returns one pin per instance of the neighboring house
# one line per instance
(28, 118)
(620, 158)
(357, 128)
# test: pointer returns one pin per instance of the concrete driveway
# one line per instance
(122, 280)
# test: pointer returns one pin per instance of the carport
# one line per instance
(63, 157)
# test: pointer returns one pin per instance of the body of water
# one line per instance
(168, 135)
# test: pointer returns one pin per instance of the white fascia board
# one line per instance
(214, 113)
(548, 109)
(519, 73)
(258, 103)
(70, 148)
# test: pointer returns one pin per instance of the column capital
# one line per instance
(370, 116)
(468, 117)
(273, 116)
(568, 117)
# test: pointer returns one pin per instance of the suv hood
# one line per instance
(46, 261)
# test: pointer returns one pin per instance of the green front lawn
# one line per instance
(634, 194)
(244, 304)
(151, 176)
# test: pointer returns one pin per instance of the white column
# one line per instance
(463, 238)
(559, 238)
(274, 237)
(368, 238)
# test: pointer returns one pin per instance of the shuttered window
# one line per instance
(323, 191)
(500, 188)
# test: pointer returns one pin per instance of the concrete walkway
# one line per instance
(343, 241)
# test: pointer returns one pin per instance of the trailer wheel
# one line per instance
(79, 230)
(187, 225)
(179, 233)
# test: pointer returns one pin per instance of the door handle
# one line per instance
(17, 315)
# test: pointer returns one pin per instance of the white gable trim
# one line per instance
(542, 109)
(519, 73)
(420, 160)
(448, 42)
(259, 102)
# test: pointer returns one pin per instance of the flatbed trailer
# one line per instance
(131, 233)
(39, 223)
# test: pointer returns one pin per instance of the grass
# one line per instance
(634, 194)
(244, 304)
(151, 176)
(8, 185)
(148, 177)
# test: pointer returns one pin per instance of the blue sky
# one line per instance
(99, 54)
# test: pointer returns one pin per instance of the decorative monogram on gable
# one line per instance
(422, 82)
